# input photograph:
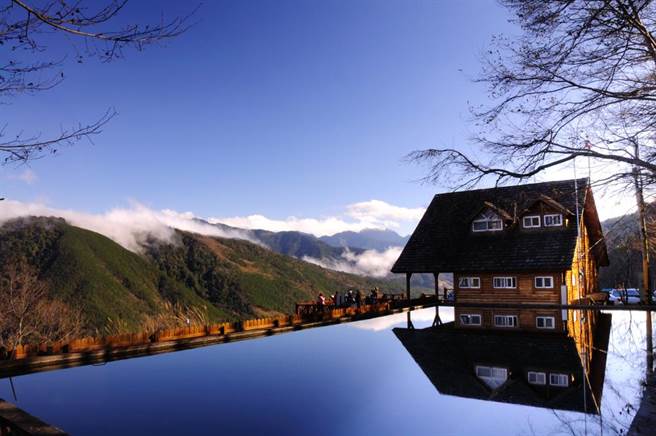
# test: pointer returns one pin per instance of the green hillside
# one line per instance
(228, 279)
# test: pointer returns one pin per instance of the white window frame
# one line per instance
(552, 215)
(470, 318)
(492, 369)
(558, 378)
(489, 218)
(505, 324)
(488, 227)
(531, 217)
(537, 375)
(544, 326)
(506, 280)
(467, 282)
(550, 278)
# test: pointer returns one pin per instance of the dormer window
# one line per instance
(487, 221)
(531, 221)
(553, 220)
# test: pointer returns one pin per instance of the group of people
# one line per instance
(350, 298)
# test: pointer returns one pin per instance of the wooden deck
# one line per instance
(14, 421)
(88, 352)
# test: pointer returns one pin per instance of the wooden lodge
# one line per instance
(535, 243)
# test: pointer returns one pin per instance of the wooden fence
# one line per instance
(128, 340)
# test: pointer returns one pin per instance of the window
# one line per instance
(505, 320)
(469, 282)
(544, 282)
(488, 221)
(504, 282)
(531, 221)
(553, 220)
(492, 376)
(559, 380)
(545, 322)
(470, 319)
(537, 378)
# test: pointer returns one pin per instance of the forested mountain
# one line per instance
(114, 288)
(622, 236)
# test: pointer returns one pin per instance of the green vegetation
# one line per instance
(118, 290)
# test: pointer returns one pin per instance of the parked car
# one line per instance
(633, 296)
(622, 296)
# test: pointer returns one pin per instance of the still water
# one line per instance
(348, 379)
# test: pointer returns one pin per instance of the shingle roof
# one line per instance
(443, 240)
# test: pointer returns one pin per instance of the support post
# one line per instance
(407, 291)
(407, 286)
(437, 321)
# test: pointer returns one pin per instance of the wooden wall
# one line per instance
(525, 318)
(524, 293)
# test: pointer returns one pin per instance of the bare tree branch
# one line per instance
(580, 81)
(29, 68)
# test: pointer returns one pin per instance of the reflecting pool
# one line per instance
(362, 378)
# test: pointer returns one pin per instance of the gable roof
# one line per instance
(448, 357)
(443, 240)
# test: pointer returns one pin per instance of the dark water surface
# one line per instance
(349, 379)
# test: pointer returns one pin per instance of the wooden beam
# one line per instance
(437, 320)
(407, 291)
(552, 306)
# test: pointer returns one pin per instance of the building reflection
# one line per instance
(561, 370)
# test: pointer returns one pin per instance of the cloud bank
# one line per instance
(372, 214)
(126, 226)
(131, 226)
(371, 263)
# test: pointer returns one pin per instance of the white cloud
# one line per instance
(372, 214)
(371, 263)
(126, 226)
(27, 176)
(380, 212)
(130, 226)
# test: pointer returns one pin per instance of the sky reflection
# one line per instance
(340, 380)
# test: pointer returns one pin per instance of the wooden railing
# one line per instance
(91, 344)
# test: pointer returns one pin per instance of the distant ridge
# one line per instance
(368, 239)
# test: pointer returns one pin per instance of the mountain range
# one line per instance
(338, 250)
(118, 290)
(367, 239)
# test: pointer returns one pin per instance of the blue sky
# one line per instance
(276, 108)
